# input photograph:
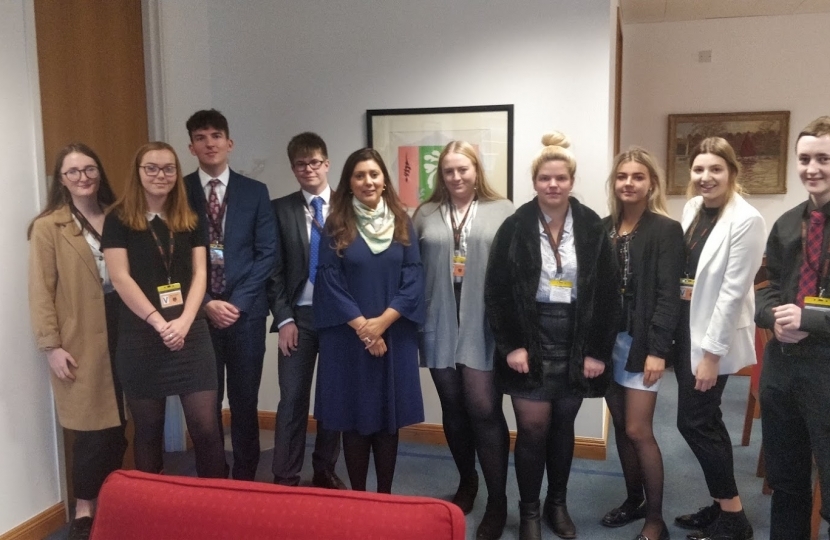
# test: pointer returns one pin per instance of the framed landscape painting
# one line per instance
(760, 140)
(410, 141)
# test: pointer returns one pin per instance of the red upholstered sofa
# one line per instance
(134, 505)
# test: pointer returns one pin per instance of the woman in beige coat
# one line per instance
(73, 309)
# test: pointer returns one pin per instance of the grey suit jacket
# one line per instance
(442, 343)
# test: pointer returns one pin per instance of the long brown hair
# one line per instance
(58, 195)
(484, 192)
(131, 207)
(657, 189)
(341, 224)
(717, 146)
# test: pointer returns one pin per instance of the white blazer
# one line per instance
(723, 302)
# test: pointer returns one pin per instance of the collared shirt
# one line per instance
(221, 188)
(567, 254)
(308, 289)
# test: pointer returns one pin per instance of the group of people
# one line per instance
(165, 291)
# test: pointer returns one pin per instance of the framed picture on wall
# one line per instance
(410, 141)
(760, 140)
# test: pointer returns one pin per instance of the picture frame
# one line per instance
(760, 141)
(410, 141)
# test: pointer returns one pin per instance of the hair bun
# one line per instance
(556, 138)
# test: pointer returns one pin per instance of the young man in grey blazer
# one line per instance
(300, 219)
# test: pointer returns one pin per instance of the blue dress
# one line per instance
(355, 390)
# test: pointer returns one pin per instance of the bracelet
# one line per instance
(148, 315)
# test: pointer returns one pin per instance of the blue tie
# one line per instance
(314, 244)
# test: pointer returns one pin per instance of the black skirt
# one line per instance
(556, 329)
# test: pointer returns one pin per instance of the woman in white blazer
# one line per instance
(724, 238)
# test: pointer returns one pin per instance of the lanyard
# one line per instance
(554, 244)
(693, 229)
(85, 224)
(825, 265)
(216, 224)
(458, 228)
(168, 261)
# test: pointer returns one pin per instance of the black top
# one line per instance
(784, 257)
(513, 271)
(697, 235)
(655, 254)
(147, 266)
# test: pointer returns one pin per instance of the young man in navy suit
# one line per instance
(243, 246)
(300, 218)
(795, 381)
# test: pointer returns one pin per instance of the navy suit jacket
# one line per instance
(250, 240)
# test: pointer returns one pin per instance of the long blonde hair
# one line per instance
(482, 187)
(657, 191)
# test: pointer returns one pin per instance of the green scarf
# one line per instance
(377, 227)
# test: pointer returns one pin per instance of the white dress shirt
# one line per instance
(567, 254)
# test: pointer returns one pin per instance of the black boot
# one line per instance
(728, 526)
(530, 521)
(495, 516)
(557, 517)
(465, 495)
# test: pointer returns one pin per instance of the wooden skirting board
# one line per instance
(40, 526)
(584, 448)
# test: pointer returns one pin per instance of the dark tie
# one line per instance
(314, 241)
(808, 276)
(217, 271)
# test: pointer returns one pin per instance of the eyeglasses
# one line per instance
(74, 175)
(151, 169)
(314, 164)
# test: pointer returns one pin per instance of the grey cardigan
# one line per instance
(442, 343)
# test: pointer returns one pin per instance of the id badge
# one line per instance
(686, 287)
(458, 262)
(560, 291)
(170, 295)
(816, 303)
(217, 255)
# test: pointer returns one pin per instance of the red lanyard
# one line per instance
(168, 261)
(458, 228)
(825, 266)
(554, 244)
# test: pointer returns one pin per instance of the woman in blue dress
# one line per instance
(368, 305)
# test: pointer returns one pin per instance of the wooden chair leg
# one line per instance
(751, 405)
(816, 517)
(761, 469)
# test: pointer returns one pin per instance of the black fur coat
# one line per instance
(510, 299)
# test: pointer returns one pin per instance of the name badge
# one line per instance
(560, 291)
(458, 262)
(686, 287)
(170, 295)
(815, 303)
(217, 255)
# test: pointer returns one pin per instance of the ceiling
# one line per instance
(651, 11)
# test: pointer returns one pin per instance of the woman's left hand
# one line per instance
(593, 368)
(706, 375)
(378, 348)
(174, 332)
(655, 366)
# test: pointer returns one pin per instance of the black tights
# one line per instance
(356, 448)
(200, 416)
(640, 457)
(544, 438)
(474, 422)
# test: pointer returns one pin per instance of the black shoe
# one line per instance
(80, 528)
(465, 495)
(624, 514)
(530, 521)
(557, 517)
(727, 526)
(699, 520)
(495, 516)
(327, 480)
(664, 535)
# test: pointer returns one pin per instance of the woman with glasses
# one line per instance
(456, 227)
(552, 299)
(649, 249)
(156, 255)
(74, 312)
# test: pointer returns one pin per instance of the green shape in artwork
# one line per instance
(427, 170)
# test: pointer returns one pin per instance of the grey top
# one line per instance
(442, 343)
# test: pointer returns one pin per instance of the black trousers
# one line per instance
(700, 420)
(295, 374)
(795, 400)
(240, 351)
(95, 454)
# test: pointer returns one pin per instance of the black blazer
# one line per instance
(291, 272)
(657, 258)
(510, 299)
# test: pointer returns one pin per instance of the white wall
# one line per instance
(277, 68)
(28, 454)
(758, 64)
